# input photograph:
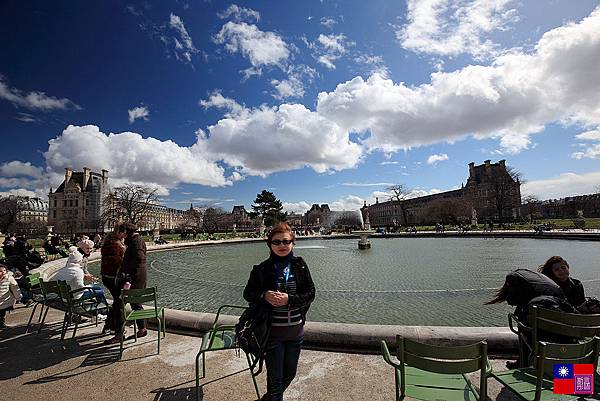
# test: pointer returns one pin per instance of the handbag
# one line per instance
(252, 332)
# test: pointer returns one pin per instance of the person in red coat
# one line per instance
(112, 251)
(135, 268)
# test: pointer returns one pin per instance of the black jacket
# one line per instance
(263, 278)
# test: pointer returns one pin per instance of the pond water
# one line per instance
(405, 281)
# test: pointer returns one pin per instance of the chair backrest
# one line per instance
(561, 323)
(51, 290)
(140, 296)
(549, 354)
(33, 282)
(442, 359)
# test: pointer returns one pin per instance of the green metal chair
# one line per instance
(552, 322)
(221, 337)
(79, 307)
(431, 372)
(51, 294)
(141, 296)
(34, 287)
(536, 383)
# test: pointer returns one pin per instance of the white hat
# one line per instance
(86, 245)
(74, 256)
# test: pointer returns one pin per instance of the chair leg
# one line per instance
(41, 312)
(31, 317)
(164, 324)
(135, 331)
(66, 324)
(158, 334)
(253, 378)
(122, 339)
(198, 373)
(43, 320)
(76, 325)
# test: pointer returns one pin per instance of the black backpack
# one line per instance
(252, 332)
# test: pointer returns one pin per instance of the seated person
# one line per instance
(75, 277)
(557, 269)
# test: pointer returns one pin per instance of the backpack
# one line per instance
(252, 332)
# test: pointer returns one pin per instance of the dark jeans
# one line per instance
(2, 317)
(282, 361)
(114, 319)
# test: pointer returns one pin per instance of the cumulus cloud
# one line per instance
(259, 47)
(590, 151)
(295, 207)
(138, 112)
(17, 169)
(373, 64)
(514, 97)
(567, 184)
(450, 28)
(239, 13)
(184, 47)
(21, 192)
(328, 22)
(34, 100)
(329, 48)
(433, 159)
(293, 85)
(295, 137)
(129, 157)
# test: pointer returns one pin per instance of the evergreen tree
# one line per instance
(267, 206)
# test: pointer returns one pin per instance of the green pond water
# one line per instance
(406, 281)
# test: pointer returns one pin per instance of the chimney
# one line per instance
(487, 164)
(502, 163)
(471, 168)
(104, 176)
(376, 200)
(86, 177)
(68, 173)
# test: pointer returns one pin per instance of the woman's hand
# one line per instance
(276, 298)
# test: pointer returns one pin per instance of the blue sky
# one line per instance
(318, 101)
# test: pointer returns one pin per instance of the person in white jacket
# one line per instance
(9, 293)
(75, 277)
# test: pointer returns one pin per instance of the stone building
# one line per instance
(564, 208)
(490, 194)
(33, 210)
(76, 205)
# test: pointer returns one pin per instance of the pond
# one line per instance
(404, 281)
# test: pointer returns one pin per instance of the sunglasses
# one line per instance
(279, 242)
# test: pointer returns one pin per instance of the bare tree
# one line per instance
(451, 210)
(399, 193)
(533, 207)
(505, 188)
(130, 202)
(214, 219)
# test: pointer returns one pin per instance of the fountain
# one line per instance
(363, 242)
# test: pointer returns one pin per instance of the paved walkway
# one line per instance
(40, 366)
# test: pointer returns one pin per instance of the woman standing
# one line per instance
(284, 283)
(112, 251)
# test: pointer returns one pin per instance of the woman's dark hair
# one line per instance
(546, 268)
(127, 227)
(501, 295)
(281, 228)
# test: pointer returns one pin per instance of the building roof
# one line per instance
(94, 183)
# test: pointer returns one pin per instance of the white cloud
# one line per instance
(293, 86)
(261, 48)
(216, 99)
(34, 100)
(26, 118)
(297, 207)
(329, 48)
(138, 112)
(239, 13)
(590, 151)
(297, 137)
(131, 158)
(511, 99)
(19, 169)
(375, 64)
(433, 159)
(21, 192)
(184, 47)
(367, 184)
(388, 163)
(450, 28)
(328, 22)
(567, 184)
(349, 202)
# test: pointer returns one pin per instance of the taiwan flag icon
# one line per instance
(573, 378)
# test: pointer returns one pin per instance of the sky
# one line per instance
(210, 102)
